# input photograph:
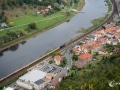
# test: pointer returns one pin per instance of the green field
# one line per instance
(42, 22)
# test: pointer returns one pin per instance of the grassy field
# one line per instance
(41, 21)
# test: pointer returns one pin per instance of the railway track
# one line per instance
(24, 69)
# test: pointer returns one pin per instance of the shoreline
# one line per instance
(80, 5)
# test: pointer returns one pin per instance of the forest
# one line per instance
(98, 76)
(13, 3)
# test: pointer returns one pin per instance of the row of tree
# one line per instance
(12, 35)
(13, 3)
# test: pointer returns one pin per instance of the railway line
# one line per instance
(21, 71)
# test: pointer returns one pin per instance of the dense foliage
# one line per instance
(97, 77)
(13, 3)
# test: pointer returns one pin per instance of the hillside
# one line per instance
(96, 76)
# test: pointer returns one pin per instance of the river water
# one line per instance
(35, 47)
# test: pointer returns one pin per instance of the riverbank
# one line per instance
(37, 32)
(98, 21)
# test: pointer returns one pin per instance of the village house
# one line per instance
(76, 50)
(115, 41)
(109, 34)
(8, 88)
(103, 40)
(102, 51)
(111, 29)
(99, 33)
(44, 11)
(117, 35)
(116, 49)
(92, 37)
(50, 76)
(4, 25)
(119, 39)
(85, 47)
(54, 84)
(49, 7)
(112, 41)
(85, 57)
(57, 59)
(95, 45)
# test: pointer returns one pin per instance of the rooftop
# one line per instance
(33, 76)
(9, 88)
(85, 56)
(58, 57)
(40, 81)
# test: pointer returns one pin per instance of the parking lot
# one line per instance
(50, 68)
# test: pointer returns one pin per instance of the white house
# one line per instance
(109, 35)
(57, 59)
(92, 38)
(8, 88)
(3, 25)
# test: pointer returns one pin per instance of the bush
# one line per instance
(11, 24)
(32, 26)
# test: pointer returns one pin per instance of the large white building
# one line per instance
(8, 88)
(34, 79)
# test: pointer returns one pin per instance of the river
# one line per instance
(33, 48)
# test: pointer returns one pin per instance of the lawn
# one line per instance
(42, 22)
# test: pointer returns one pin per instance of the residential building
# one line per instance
(102, 51)
(85, 57)
(76, 50)
(57, 59)
(3, 25)
(92, 37)
(8, 88)
(50, 76)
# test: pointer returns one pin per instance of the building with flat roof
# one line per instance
(8, 88)
(34, 79)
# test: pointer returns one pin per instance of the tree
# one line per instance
(4, 7)
(75, 57)
(4, 19)
(50, 61)
(13, 35)
(6, 38)
(11, 24)
(32, 26)
(63, 62)
(57, 6)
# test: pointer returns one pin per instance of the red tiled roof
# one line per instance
(84, 56)
(58, 57)
(85, 46)
(111, 29)
(95, 44)
(74, 50)
(54, 83)
(117, 34)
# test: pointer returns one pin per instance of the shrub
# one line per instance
(11, 24)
